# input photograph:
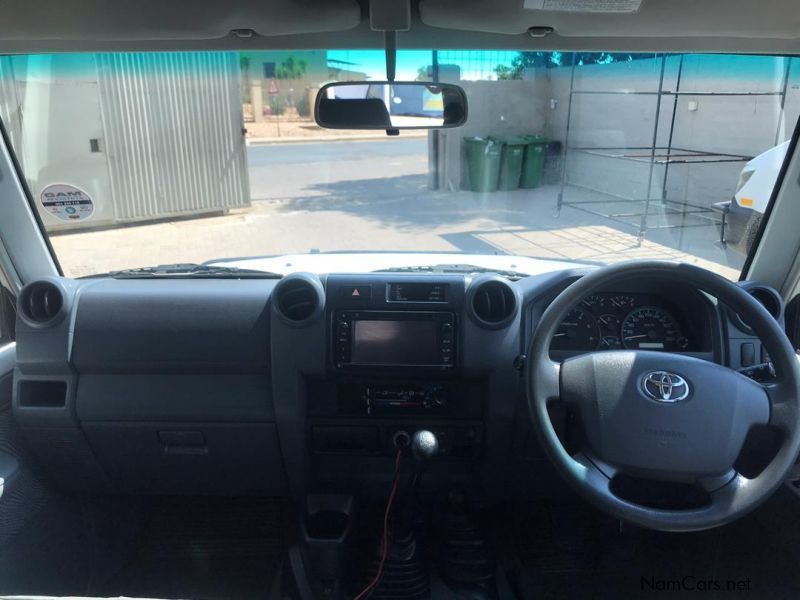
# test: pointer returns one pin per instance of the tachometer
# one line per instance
(578, 331)
(652, 328)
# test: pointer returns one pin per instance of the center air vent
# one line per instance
(41, 302)
(493, 302)
(298, 298)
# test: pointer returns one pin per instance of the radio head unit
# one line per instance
(394, 339)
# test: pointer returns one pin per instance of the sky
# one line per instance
(474, 65)
(753, 73)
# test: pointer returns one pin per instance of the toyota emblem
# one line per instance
(663, 386)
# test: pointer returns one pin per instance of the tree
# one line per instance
(522, 61)
(291, 69)
(244, 65)
(506, 72)
(244, 71)
(527, 60)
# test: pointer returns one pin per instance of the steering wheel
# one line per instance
(665, 416)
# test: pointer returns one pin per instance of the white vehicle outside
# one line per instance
(752, 195)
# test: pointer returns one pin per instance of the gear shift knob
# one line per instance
(424, 446)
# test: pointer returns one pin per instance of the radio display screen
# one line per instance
(386, 342)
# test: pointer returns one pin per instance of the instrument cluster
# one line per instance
(616, 321)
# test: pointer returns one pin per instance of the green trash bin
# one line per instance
(483, 163)
(511, 161)
(533, 162)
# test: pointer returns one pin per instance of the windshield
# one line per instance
(142, 159)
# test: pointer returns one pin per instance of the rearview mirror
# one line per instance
(390, 105)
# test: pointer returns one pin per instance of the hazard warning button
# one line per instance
(356, 293)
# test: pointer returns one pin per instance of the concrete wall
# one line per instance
(496, 108)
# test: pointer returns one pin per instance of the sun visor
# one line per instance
(619, 18)
(132, 20)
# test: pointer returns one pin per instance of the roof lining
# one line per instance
(421, 36)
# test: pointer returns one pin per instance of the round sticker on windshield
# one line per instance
(67, 202)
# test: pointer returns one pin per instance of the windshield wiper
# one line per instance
(453, 268)
(188, 270)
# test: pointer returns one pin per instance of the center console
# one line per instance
(394, 367)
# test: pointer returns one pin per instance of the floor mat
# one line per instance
(205, 548)
(571, 551)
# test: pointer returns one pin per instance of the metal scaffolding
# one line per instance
(635, 212)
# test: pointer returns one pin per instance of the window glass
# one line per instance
(139, 159)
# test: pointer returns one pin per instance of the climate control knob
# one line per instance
(435, 397)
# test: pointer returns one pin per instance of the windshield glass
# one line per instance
(142, 159)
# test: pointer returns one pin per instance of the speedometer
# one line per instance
(652, 328)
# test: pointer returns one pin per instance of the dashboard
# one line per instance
(306, 382)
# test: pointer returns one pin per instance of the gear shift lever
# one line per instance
(424, 446)
(424, 449)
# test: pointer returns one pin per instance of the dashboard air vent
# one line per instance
(768, 297)
(297, 299)
(41, 302)
(494, 302)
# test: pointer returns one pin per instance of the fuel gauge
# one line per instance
(610, 324)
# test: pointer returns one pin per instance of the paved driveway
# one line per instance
(374, 195)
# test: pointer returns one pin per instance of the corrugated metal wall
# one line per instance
(173, 134)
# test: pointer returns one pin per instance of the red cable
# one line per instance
(385, 540)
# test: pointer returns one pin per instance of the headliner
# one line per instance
(766, 26)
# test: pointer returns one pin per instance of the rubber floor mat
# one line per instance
(205, 548)
(575, 552)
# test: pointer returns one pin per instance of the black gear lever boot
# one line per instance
(405, 572)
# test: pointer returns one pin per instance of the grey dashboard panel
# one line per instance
(175, 397)
(154, 386)
(205, 458)
(158, 326)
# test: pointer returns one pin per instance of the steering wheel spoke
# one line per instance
(595, 473)
(783, 409)
(590, 460)
(716, 482)
(548, 376)
(731, 495)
